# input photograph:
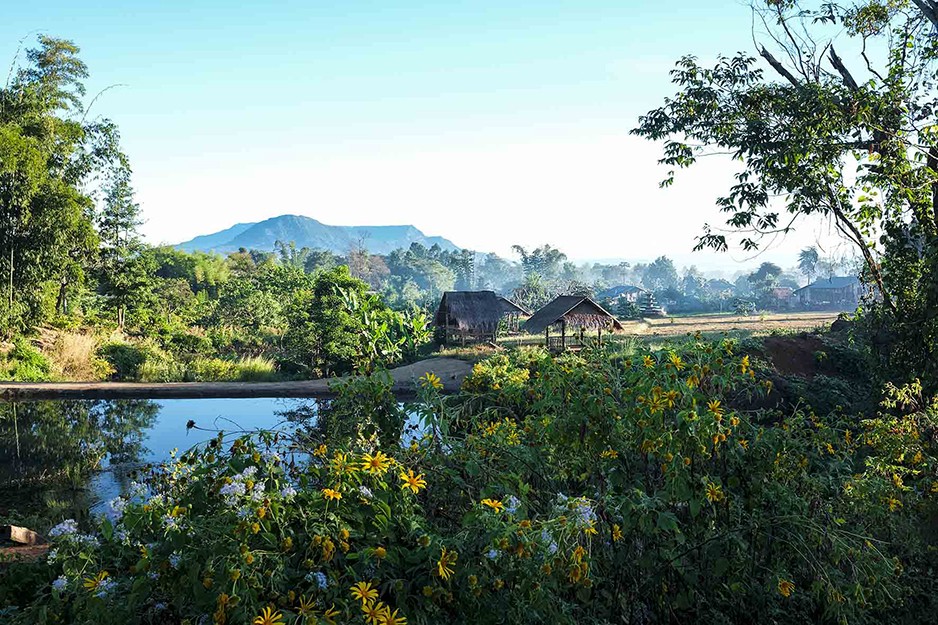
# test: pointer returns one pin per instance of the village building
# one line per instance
(475, 316)
(624, 292)
(571, 316)
(841, 292)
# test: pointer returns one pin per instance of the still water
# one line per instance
(58, 441)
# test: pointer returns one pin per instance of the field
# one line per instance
(710, 325)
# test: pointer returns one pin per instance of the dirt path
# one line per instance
(450, 370)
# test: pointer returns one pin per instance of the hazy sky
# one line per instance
(489, 123)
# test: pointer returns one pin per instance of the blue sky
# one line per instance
(490, 123)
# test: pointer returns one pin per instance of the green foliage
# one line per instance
(24, 363)
(862, 153)
(578, 491)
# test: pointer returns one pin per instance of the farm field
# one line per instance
(645, 330)
(676, 326)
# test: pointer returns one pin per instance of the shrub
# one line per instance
(25, 363)
(596, 493)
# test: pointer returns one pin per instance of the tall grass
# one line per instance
(73, 357)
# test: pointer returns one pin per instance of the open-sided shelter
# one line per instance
(570, 312)
(472, 316)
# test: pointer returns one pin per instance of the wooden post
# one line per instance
(599, 336)
(547, 337)
(563, 334)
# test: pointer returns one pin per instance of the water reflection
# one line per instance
(73, 455)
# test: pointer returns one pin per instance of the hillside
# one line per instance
(308, 232)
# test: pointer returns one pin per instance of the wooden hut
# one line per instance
(473, 316)
(570, 312)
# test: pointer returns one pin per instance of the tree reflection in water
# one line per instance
(50, 448)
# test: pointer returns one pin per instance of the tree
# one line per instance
(48, 153)
(123, 274)
(544, 261)
(808, 262)
(851, 141)
(660, 275)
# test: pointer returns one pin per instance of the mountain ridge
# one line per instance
(308, 232)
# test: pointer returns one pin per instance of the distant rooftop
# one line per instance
(834, 282)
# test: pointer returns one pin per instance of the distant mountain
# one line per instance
(308, 232)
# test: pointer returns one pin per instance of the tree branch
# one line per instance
(929, 9)
(781, 69)
(838, 64)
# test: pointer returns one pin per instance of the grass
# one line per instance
(72, 357)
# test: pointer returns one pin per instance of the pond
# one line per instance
(90, 448)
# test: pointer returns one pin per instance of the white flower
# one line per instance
(60, 583)
(288, 492)
(170, 523)
(114, 509)
(174, 560)
(160, 606)
(244, 513)
(52, 555)
(271, 457)
(492, 554)
(248, 472)
(153, 575)
(365, 491)
(65, 528)
(511, 504)
(104, 587)
(320, 578)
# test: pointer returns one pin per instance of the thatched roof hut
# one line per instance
(474, 314)
(570, 311)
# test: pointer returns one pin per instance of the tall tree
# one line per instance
(808, 262)
(123, 273)
(48, 156)
(850, 140)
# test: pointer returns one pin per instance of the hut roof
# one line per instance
(576, 310)
(834, 282)
(474, 310)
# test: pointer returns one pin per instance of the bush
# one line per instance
(594, 493)
(25, 363)
(142, 362)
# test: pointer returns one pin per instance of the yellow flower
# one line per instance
(785, 587)
(616, 533)
(676, 362)
(330, 615)
(714, 407)
(413, 482)
(255, 527)
(377, 464)
(329, 493)
(177, 511)
(494, 504)
(287, 544)
(609, 453)
(235, 575)
(92, 583)
(381, 553)
(744, 443)
(321, 451)
(590, 529)
(649, 362)
(269, 617)
(364, 592)
(431, 380)
(714, 492)
(744, 364)
(249, 558)
(444, 567)
(374, 612)
(342, 466)
(207, 582)
(893, 503)
(306, 608)
(393, 618)
(344, 534)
